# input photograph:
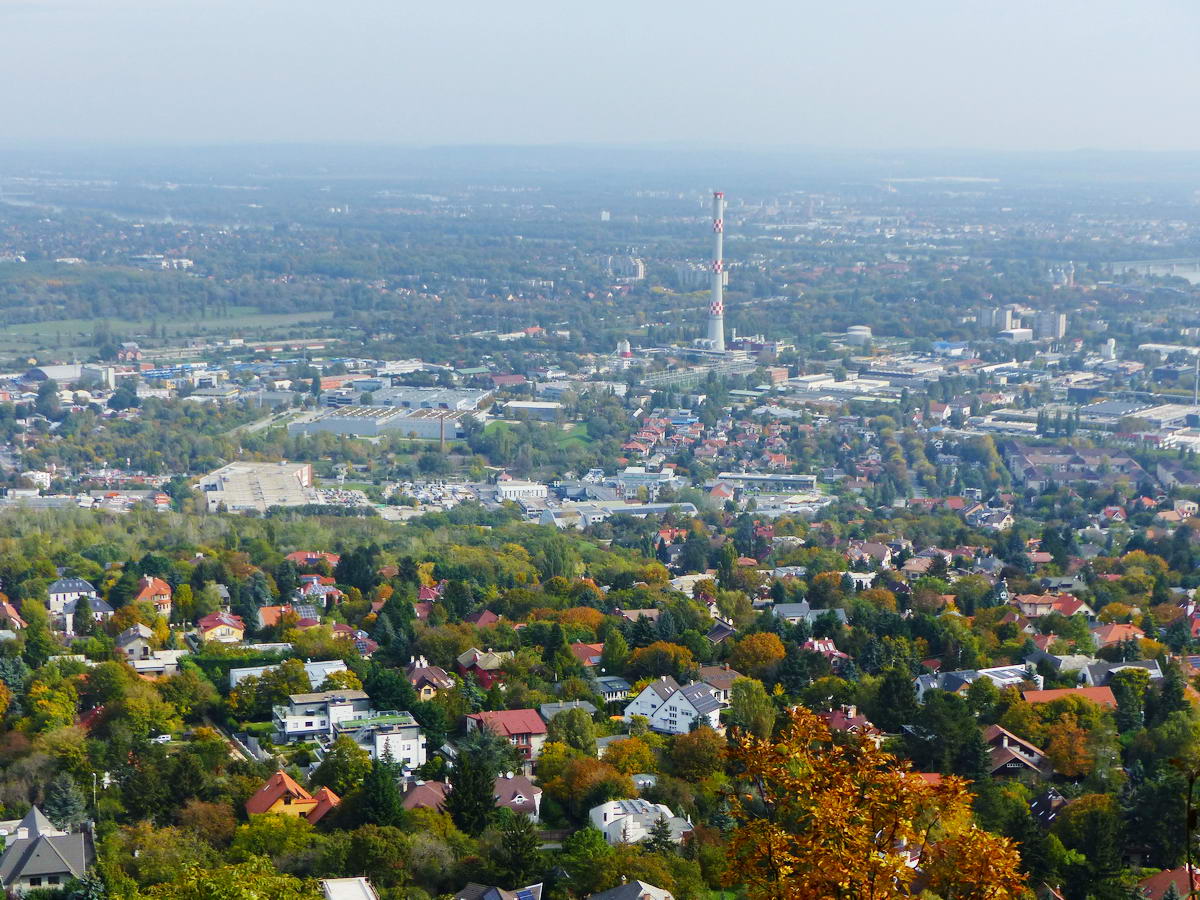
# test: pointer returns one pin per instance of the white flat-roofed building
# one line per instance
(520, 490)
(380, 732)
(309, 716)
(317, 672)
(244, 486)
(769, 482)
(372, 421)
(542, 410)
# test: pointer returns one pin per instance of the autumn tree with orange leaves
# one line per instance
(821, 820)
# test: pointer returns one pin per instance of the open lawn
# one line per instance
(575, 435)
(65, 335)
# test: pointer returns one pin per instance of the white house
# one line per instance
(630, 821)
(66, 591)
(378, 733)
(307, 716)
(672, 709)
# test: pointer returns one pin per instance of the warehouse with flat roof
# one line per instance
(374, 421)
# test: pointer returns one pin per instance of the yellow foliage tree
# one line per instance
(826, 820)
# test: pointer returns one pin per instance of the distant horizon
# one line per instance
(929, 74)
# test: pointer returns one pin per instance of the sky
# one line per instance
(1027, 75)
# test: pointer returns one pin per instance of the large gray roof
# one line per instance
(45, 851)
(700, 695)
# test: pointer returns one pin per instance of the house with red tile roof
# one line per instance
(1115, 633)
(221, 627)
(307, 559)
(281, 794)
(587, 654)
(523, 728)
(156, 592)
(1156, 886)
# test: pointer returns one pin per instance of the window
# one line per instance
(35, 882)
(53, 879)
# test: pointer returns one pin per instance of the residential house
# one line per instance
(720, 679)
(67, 590)
(803, 612)
(1103, 696)
(673, 709)
(634, 890)
(486, 667)
(380, 733)
(511, 791)
(9, 617)
(612, 688)
(1100, 673)
(847, 718)
(156, 592)
(221, 628)
(475, 891)
(38, 855)
(957, 682)
(1116, 633)
(317, 671)
(135, 642)
(98, 607)
(587, 654)
(281, 794)
(630, 821)
(1011, 756)
(311, 559)
(523, 728)
(549, 710)
(1155, 887)
(308, 716)
(427, 680)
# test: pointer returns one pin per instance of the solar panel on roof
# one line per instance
(524, 894)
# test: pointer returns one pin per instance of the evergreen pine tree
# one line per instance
(471, 800)
(81, 618)
(519, 856)
(659, 839)
(381, 800)
(64, 804)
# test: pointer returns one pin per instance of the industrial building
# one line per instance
(374, 421)
(245, 486)
(410, 397)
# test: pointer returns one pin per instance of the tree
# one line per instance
(574, 728)
(64, 804)
(661, 658)
(344, 767)
(471, 800)
(839, 819)
(81, 617)
(381, 800)
(615, 654)
(698, 754)
(1129, 686)
(659, 838)
(255, 879)
(630, 756)
(750, 707)
(756, 653)
(519, 855)
(896, 702)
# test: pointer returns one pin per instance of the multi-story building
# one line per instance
(384, 732)
(523, 728)
(309, 716)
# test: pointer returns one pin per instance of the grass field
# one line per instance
(64, 335)
(576, 435)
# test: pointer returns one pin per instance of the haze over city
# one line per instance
(1024, 75)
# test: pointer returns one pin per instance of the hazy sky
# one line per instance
(993, 74)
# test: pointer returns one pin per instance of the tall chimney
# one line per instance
(716, 307)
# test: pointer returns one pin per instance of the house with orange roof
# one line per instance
(284, 796)
(156, 592)
(1115, 633)
(1102, 696)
